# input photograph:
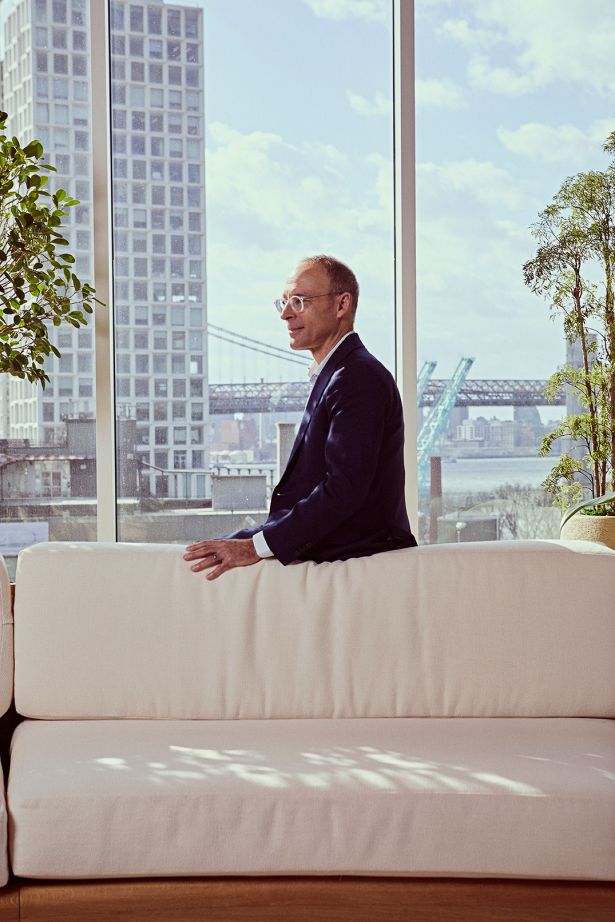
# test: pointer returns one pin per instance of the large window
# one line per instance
(232, 159)
(504, 114)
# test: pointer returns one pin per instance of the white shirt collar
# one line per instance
(315, 368)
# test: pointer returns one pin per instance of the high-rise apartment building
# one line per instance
(158, 166)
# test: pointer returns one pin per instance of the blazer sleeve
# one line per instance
(357, 406)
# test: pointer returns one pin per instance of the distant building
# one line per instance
(158, 151)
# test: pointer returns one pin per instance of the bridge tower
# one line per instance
(421, 382)
(437, 421)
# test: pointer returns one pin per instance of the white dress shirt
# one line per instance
(260, 544)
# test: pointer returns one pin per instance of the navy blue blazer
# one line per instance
(342, 492)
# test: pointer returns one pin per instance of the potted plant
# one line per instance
(38, 288)
(574, 269)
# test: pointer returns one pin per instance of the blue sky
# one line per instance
(299, 157)
(512, 97)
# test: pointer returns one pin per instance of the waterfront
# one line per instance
(466, 475)
(482, 475)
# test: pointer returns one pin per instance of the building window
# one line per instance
(154, 20)
(59, 10)
(174, 22)
(136, 47)
(136, 19)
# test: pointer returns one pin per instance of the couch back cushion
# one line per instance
(6, 640)
(492, 629)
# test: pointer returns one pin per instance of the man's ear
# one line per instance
(344, 306)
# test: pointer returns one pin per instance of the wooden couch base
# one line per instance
(306, 899)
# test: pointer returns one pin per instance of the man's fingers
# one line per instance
(220, 569)
(207, 546)
(205, 564)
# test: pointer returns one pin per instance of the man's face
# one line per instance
(318, 323)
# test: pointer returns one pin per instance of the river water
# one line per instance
(481, 475)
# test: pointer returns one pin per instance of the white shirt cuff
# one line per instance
(260, 545)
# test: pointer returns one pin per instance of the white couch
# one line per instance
(440, 712)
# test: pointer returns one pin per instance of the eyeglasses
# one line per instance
(297, 302)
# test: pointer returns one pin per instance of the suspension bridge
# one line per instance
(256, 394)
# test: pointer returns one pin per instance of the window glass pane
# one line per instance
(502, 119)
(48, 489)
(243, 178)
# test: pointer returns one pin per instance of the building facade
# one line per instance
(158, 163)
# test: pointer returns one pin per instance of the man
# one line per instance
(342, 492)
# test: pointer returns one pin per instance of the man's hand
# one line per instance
(222, 554)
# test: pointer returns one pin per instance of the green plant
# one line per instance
(576, 244)
(38, 288)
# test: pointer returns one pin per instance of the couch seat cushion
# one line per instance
(505, 797)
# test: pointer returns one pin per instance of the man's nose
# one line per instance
(288, 312)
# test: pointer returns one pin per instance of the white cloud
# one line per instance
(271, 202)
(440, 94)
(379, 105)
(504, 80)
(472, 240)
(552, 144)
(461, 31)
(549, 42)
(470, 292)
(565, 143)
(370, 10)
(482, 181)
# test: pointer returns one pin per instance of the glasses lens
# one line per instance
(279, 305)
(296, 304)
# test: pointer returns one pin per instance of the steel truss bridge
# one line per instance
(291, 397)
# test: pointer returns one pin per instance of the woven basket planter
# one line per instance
(599, 528)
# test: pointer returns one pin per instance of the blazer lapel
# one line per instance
(352, 342)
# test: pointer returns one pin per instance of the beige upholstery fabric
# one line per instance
(6, 640)
(493, 797)
(487, 629)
